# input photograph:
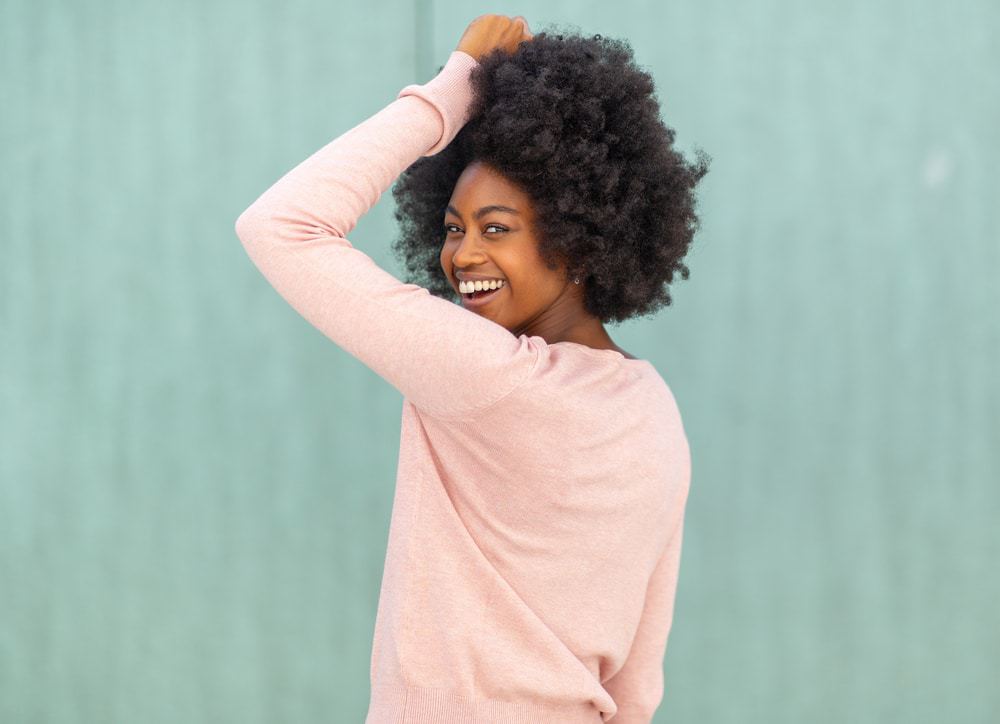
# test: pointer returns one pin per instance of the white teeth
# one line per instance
(478, 286)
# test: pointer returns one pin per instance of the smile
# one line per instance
(479, 299)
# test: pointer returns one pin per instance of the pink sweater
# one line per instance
(536, 526)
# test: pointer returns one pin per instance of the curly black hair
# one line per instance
(575, 124)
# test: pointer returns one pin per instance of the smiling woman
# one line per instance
(566, 131)
(537, 301)
(536, 530)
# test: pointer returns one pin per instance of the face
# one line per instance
(500, 243)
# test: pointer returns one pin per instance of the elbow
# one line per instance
(260, 226)
(248, 226)
(243, 223)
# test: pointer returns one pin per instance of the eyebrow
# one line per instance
(477, 215)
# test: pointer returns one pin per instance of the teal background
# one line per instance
(195, 484)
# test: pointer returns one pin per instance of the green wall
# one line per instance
(195, 484)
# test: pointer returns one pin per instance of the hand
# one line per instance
(488, 32)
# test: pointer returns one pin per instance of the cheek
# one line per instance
(539, 280)
(444, 258)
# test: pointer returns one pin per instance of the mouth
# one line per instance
(479, 299)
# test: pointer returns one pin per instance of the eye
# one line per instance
(449, 227)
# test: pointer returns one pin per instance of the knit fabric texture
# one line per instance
(534, 545)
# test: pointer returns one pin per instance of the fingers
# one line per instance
(526, 31)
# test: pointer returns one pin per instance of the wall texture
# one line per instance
(195, 484)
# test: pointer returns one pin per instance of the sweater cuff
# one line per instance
(450, 93)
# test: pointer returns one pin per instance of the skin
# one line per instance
(488, 32)
(535, 300)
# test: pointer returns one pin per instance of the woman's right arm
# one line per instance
(447, 360)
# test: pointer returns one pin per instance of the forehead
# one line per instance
(480, 184)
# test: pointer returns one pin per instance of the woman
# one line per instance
(536, 529)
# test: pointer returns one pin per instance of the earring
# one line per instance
(577, 280)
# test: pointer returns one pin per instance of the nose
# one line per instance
(469, 252)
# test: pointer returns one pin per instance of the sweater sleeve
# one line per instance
(637, 687)
(447, 360)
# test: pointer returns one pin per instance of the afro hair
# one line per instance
(575, 124)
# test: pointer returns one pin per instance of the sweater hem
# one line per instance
(400, 704)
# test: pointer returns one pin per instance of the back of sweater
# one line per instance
(536, 529)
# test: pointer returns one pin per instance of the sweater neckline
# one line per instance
(605, 352)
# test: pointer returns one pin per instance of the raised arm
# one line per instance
(445, 359)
